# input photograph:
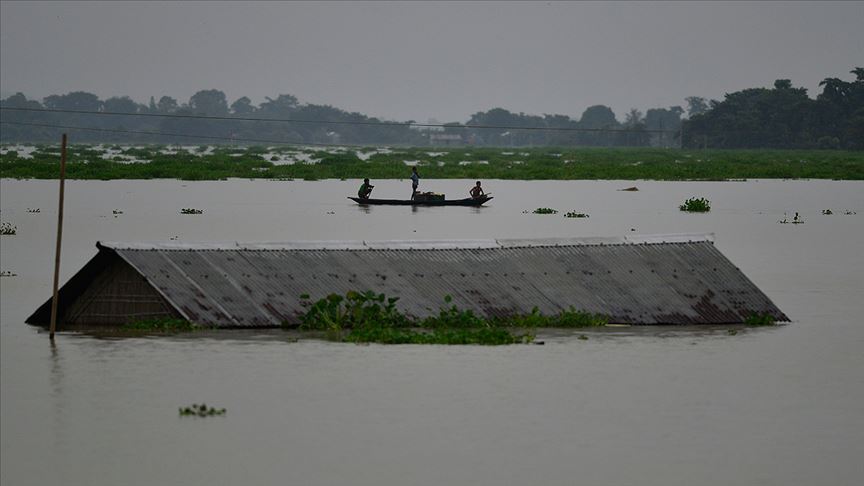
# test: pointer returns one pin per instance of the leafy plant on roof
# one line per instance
(368, 317)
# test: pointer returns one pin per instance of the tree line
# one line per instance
(778, 117)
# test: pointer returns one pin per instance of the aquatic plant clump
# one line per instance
(191, 211)
(696, 205)
(8, 229)
(201, 410)
(369, 317)
(759, 320)
(574, 214)
(160, 325)
(545, 211)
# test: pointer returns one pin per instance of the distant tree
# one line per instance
(665, 122)
(783, 84)
(782, 117)
(633, 118)
(12, 132)
(598, 116)
(209, 102)
(76, 100)
(167, 104)
(122, 104)
(635, 135)
(243, 106)
(18, 100)
(151, 107)
(282, 106)
(696, 105)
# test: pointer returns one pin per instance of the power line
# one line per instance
(165, 134)
(337, 122)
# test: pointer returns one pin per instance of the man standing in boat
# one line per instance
(415, 181)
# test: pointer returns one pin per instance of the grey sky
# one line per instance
(443, 60)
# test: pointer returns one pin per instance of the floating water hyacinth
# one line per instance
(696, 205)
(574, 214)
(545, 211)
(8, 229)
(191, 211)
(202, 410)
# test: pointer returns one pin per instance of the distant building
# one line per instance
(445, 139)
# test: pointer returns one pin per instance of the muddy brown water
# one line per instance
(628, 406)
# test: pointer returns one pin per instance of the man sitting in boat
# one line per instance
(476, 191)
(365, 189)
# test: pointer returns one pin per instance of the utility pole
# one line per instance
(59, 237)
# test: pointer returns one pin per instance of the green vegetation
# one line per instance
(574, 214)
(8, 229)
(160, 326)
(191, 211)
(585, 163)
(202, 410)
(696, 205)
(545, 211)
(759, 320)
(369, 317)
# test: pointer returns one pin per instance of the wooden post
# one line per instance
(59, 237)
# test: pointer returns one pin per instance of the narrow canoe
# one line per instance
(470, 201)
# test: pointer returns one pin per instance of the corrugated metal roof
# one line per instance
(679, 279)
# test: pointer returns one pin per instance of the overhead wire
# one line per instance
(167, 134)
(337, 122)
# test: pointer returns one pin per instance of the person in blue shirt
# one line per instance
(415, 181)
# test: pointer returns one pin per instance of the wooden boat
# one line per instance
(469, 201)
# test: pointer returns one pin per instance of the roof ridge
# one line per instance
(466, 244)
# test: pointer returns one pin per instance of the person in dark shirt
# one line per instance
(476, 191)
(365, 189)
(415, 181)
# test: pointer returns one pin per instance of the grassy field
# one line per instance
(311, 163)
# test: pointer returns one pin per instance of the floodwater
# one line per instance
(629, 406)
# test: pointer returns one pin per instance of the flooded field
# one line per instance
(627, 406)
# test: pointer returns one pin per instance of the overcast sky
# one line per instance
(442, 60)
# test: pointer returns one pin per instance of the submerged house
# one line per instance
(632, 280)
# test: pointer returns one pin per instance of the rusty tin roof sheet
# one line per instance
(671, 279)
